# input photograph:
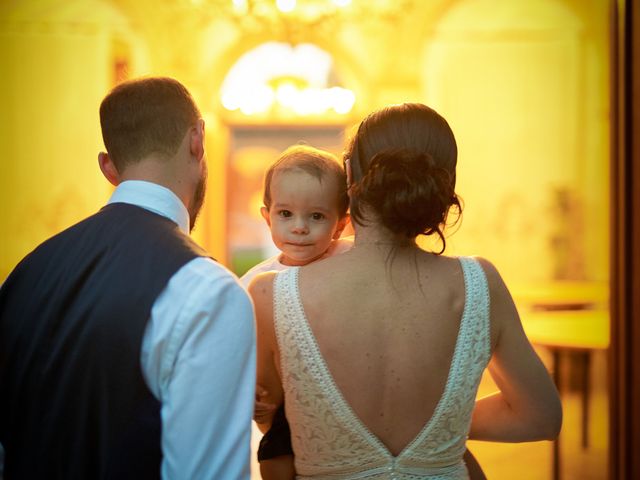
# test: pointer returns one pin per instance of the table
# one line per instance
(580, 331)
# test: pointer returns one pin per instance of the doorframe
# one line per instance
(624, 353)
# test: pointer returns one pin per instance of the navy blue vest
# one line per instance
(73, 402)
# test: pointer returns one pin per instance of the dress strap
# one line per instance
(478, 304)
(284, 307)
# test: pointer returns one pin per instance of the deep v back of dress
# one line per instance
(330, 441)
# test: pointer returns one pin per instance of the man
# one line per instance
(125, 352)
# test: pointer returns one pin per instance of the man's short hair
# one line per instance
(146, 116)
(318, 163)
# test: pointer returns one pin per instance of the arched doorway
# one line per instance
(274, 96)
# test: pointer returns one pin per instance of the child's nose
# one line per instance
(300, 227)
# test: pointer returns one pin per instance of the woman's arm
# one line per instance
(527, 407)
(268, 378)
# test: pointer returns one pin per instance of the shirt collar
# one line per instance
(155, 198)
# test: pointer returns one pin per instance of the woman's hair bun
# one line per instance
(407, 191)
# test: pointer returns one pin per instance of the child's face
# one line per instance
(303, 217)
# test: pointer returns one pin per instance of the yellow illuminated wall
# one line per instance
(526, 91)
(55, 70)
(523, 83)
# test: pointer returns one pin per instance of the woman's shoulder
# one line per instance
(470, 261)
(494, 280)
(443, 264)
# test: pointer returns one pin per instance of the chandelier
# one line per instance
(293, 21)
(282, 80)
(286, 77)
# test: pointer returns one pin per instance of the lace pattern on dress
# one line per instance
(330, 441)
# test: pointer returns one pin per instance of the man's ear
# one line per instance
(264, 211)
(342, 223)
(108, 169)
(196, 144)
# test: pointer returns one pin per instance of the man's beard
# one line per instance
(198, 198)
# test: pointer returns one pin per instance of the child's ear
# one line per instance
(264, 211)
(342, 223)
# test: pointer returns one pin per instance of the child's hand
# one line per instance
(262, 410)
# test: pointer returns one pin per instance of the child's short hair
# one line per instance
(315, 162)
(144, 116)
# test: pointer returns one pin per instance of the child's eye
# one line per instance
(284, 213)
(317, 216)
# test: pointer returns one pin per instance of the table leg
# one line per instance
(556, 443)
(586, 387)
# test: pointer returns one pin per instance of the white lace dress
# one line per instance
(329, 440)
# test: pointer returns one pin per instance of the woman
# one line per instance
(379, 351)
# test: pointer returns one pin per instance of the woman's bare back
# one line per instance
(390, 358)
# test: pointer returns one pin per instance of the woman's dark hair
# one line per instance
(403, 160)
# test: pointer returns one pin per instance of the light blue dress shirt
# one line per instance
(198, 357)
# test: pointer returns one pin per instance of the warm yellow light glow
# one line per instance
(229, 101)
(293, 80)
(310, 101)
(286, 5)
(256, 202)
(240, 6)
(287, 94)
(342, 3)
(258, 100)
(342, 99)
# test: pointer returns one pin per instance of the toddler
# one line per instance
(305, 206)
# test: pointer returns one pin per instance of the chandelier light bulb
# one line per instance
(286, 6)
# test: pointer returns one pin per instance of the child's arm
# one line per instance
(262, 410)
